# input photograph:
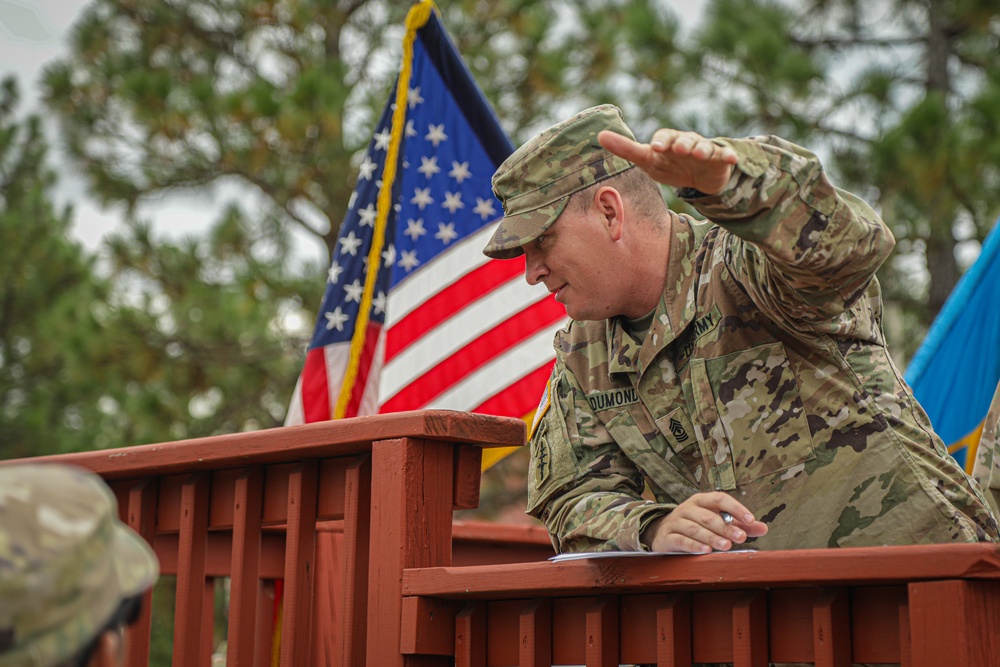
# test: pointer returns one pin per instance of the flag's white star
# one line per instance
(366, 169)
(415, 228)
(446, 232)
(378, 303)
(335, 320)
(410, 130)
(484, 207)
(453, 201)
(354, 291)
(422, 197)
(350, 202)
(428, 166)
(350, 244)
(333, 275)
(389, 255)
(367, 215)
(413, 98)
(435, 134)
(382, 139)
(460, 171)
(408, 260)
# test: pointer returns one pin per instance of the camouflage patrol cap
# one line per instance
(536, 181)
(66, 562)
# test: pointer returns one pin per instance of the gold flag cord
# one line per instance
(416, 18)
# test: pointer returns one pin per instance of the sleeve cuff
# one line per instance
(651, 515)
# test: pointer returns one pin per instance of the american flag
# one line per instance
(448, 328)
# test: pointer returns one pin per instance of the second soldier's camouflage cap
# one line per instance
(66, 562)
(536, 181)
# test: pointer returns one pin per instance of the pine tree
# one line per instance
(903, 95)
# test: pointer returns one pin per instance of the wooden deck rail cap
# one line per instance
(292, 443)
(806, 567)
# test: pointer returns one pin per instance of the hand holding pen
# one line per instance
(703, 522)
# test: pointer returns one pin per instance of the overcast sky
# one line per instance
(32, 33)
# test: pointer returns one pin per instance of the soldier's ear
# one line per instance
(609, 205)
(109, 650)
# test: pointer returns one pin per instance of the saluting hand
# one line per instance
(675, 158)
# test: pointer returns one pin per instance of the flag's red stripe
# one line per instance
(315, 387)
(364, 369)
(478, 352)
(519, 398)
(449, 301)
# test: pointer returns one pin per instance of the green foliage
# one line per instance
(163, 95)
(48, 329)
(902, 97)
(191, 337)
(209, 331)
(170, 340)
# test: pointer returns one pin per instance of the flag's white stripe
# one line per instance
(335, 357)
(501, 372)
(488, 312)
(369, 399)
(438, 274)
(296, 411)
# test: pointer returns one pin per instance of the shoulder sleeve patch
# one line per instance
(543, 407)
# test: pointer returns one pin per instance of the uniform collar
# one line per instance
(674, 313)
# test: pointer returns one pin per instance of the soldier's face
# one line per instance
(573, 260)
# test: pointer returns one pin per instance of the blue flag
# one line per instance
(956, 370)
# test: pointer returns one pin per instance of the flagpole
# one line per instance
(416, 18)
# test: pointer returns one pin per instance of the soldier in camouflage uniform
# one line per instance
(987, 468)
(71, 573)
(735, 365)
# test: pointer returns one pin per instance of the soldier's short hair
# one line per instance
(636, 186)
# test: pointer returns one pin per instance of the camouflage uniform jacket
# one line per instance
(987, 468)
(764, 374)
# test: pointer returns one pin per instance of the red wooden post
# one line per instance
(190, 604)
(411, 527)
(142, 519)
(602, 633)
(264, 637)
(832, 629)
(673, 632)
(750, 630)
(328, 597)
(245, 584)
(208, 618)
(300, 552)
(535, 625)
(954, 623)
(470, 636)
(905, 644)
(357, 535)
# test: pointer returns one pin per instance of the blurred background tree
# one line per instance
(50, 296)
(154, 340)
(902, 95)
(278, 98)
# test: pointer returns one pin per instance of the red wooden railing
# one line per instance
(919, 606)
(355, 517)
(371, 496)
